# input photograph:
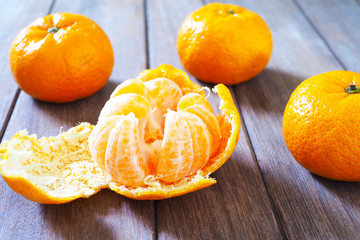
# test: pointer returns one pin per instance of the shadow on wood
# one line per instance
(229, 209)
(346, 191)
(268, 91)
(77, 111)
(103, 216)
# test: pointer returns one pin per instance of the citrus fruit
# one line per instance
(319, 125)
(61, 57)
(51, 170)
(224, 43)
(157, 137)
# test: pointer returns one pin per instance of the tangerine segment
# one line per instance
(163, 94)
(201, 140)
(176, 75)
(125, 104)
(199, 106)
(211, 123)
(123, 158)
(98, 139)
(191, 99)
(130, 86)
(176, 153)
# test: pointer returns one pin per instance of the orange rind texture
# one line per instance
(69, 64)
(319, 125)
(128, 151)
(224, 43)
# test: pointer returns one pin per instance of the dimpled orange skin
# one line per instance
(320, 125)
(70, 64)
(224, 43)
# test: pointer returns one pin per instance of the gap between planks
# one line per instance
(244, 128)
(8, 115)
(312, 25)
(252, 151)
(16, 96)
(231, 88)
(147, 65)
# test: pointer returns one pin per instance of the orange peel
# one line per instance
(26, 162)
(51, 170)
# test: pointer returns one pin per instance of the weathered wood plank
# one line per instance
(106, 215)
(237, 206)
(308, 207)
(337, 22)
(12, 21)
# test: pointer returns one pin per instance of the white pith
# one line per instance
(60, 166)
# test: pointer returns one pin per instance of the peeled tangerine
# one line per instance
(156, 137)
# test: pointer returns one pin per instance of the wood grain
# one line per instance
(12, 21)
(336, 22)
(106, 215)
(237, 207)
(307, 206)
(262, 192)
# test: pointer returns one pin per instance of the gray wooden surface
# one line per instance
(262, 193)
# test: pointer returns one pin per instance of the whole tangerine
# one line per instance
(61, 57)
(319, 125)
(224, 43)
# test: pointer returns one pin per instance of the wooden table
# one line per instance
(262, 192)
